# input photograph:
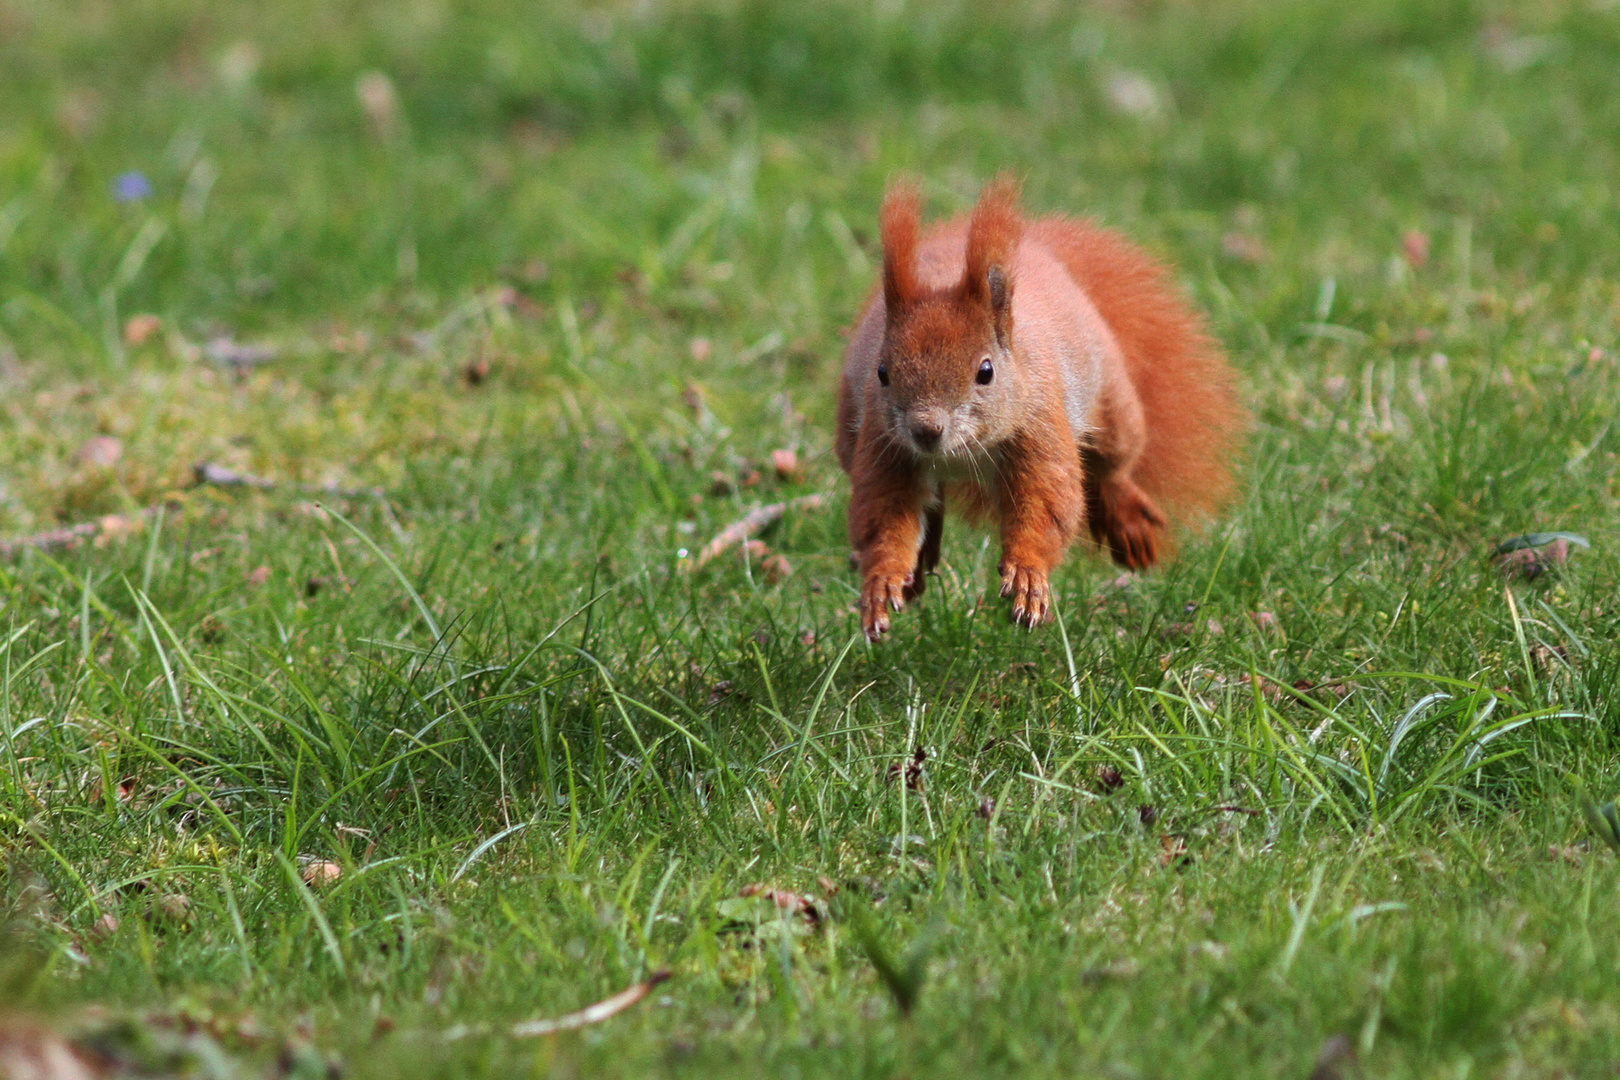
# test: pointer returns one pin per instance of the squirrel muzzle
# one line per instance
(926, 428)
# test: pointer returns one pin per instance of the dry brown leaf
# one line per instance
(790, 902)
(777, 569)
(1565, 853)
(175, 907)
(912, 768)
(1338, 1055)
(1109, 779)
(1173, 851)
(1531, 563)
(719, 692)
(32, 1053)
(1115, 972)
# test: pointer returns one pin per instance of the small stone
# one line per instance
(320, 872)
(1415, 246)
(375, 92)
(1134, 94)
(140, 329)
(101, 452)
(786, 464)
(1243, 247)
(106, 926)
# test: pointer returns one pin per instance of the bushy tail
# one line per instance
(1194, 420)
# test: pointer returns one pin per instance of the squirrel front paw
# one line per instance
(880, 594)
(1031, 594)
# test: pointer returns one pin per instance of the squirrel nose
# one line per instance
(926, 434)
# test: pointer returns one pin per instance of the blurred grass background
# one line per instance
(711, 168)
(540, 272)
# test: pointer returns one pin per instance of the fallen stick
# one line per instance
(605, 1009)
(108, 525)
(205, 474)
(753, 522)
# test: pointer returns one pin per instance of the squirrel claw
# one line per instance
(880, 594)
(1032, 596)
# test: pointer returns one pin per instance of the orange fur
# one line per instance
(994, 230)
(1104, 398)
(1194, 419)
(898, 224)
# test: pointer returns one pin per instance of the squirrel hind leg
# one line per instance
(1126, 521)
(928, 553)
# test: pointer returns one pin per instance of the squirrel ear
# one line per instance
(997, 283)
(999, 292)
(994, 231)
(899, 222)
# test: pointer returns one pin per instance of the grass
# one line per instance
(527, 277)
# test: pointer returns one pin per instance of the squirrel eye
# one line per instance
(987, 371)
(883, 374)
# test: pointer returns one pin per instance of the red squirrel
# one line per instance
(1043, 373)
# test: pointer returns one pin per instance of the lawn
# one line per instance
(399, 359)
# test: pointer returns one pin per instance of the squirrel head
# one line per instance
(946, 373)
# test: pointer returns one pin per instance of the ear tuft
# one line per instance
(899, 223)
(993, 234)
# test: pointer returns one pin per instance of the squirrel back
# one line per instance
(1192, 415)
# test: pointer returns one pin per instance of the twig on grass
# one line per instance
(207, 474)
(605, 1009)
(752, 522)
(204, 474)
(102, 529)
